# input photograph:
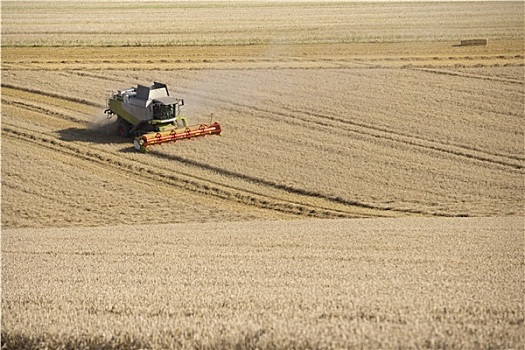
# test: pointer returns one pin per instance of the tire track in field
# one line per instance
(53, 95)
(326, 210)
(510, 163)
(514, 162)
(43, 110)
(382, 134)
(296, 206)
(209, 188)
(264, 183)
(49, 113)
(469, 75)
(287, 188)
(315, 120)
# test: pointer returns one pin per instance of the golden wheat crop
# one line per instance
(247, 23)
(394, 283)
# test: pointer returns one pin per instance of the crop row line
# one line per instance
(514, 162)
(309, 210)
(54, 95)
(382, 134)
(48, 112)
(470, 75)
(209, 189)
(43, 110)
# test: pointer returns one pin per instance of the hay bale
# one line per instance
(474, 42)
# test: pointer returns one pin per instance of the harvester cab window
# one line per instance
(161, 111)
(157, 111)
(168, 112)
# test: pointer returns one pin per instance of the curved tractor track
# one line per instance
(266, 199)
(345, 127)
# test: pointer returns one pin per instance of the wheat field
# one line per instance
(367, 191)
(303, 284)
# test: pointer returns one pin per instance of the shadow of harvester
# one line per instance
(97, 133)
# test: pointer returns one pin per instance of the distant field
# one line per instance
(257, 22)
(330, 214)
(436, 283)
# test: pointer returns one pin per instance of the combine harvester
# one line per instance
(152, 116)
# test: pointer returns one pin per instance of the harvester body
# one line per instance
(152, 116)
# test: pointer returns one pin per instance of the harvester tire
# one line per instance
(123, 128)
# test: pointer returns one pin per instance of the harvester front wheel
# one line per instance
(123, 128)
